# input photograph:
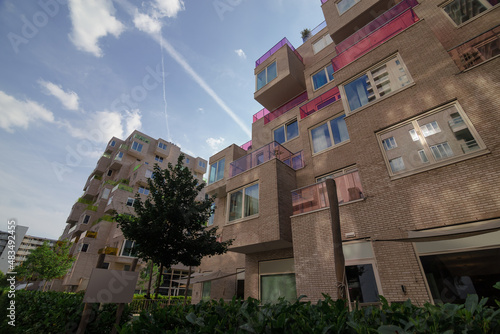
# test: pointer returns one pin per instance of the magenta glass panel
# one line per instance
(259, 114)
(349, 187)
(286, 107)
(247, 145)
(276, 48)
(320, 102)
(377, 37)
(310, 198)
(323, 1)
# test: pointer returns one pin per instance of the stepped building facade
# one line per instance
(397, 101)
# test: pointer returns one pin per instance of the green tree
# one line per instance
(46, 263)
(170, 225)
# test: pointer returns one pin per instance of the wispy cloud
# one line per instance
(169, 8)
(147, 23)
(15, 113)
(241, 53)
(69, 99)
(92, 19)
(215, 143)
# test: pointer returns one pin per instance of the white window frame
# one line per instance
(285, 126)
(325, 72)
(330, 133)
(123, 248)
(243, 216)
(128, 200)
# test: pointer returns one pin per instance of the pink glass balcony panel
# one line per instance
(259, 114)
(320, 102)
(275, 48)
(375, 24)
(349, 187)
(376, 38)
(310, 198)
(323, 1)
(247, 145)
(286, 107)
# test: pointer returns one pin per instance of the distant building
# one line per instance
(5, 266)
(398, 102)
(120, 174)
(28, 244)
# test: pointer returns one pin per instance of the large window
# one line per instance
(143, 191)
(136, 146)
(361, 283)
(344, 5)
(244, 202)
(128, 248)
(266, 75)
(324, 76)
(161, 145)
(328, 134)
(119, 156)
(348, 184)
(286, 132)
(461, 11)
(158, 158)
(441, 136)
(376, 83)
(217, 171)
(322, 43)
(86, 219)
(277, 280)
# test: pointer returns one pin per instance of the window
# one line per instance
(119, 156)
(286, 132)
(277, 280)
(136, 146)
(461, 11)
(376, 83)
(112, 143)
(187, 160)
(110, 200)
(322, 43)
(211, 219)
(344, 5)
(105, 265)
(86, 219)
(130, 201)
(362, 284)
(85, 248)
(158, 158)
(149, 173)
(207, 287)
(266, 75)
(202, 164)
(143, 191)
(328, 134)
(144, 139)
(348, 184)
(244, 202)
(110, 172)
(443, 135)
(128, 248)
(216, 171)
(162, 146)
(323, 77)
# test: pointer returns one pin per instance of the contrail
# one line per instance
(164, 93)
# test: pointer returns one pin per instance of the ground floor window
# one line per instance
(361, 283)
(274, 287)
(206, 289)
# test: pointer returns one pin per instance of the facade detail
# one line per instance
(396, 101)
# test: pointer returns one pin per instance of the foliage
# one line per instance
(3, 280)
(144, 276)
(46, 263)
(305, 34)
(326, 316)
(55, 312)
(169, 225)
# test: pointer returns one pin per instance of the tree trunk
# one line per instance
(158, 282)
(187, 286)
(148, 294)
(44, 285)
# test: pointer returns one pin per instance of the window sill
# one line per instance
(353, 201)
(440, 164)
(241, 220)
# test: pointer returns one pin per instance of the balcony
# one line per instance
(319, 102)
(108, 251)
(141, 174)
(310, 198)
(387, 25)
(77, 211)
(285, 108)
(91, 234)
(247, 146)
(200, 165)
(279, 76)
(92, 189)
(268, 152)
(102, 164)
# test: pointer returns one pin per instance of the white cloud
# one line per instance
(169, 8)
(241, 53)
(15, 113)
(92, 19)
(102, 125)
(68, 99)
(215, 143)
(146, 23)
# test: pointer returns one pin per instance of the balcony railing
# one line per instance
(276, 48)
(247, 145)
(323, 1)
(91, 234)
(387, 25)
(108, 251)
(259, 114)
(310, 198)
(270, 151)
(320, 102)
(285, 108)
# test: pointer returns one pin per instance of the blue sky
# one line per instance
(74, 73)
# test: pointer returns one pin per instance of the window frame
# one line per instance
(243, 216)
(485, 3)
(345, 11)
(431, 162)
(158, 158)
(131, 248)
(145, 191)
(321, 39)
(86, 219)
(112, 143)
(216, 170)
(138, 148)
(161, 145)
(367, 73)
(327, 121)
(128, 199)
(267, 80)
(325, 72)
(285, 126)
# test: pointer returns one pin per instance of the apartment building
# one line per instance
(28, 244)
(397, 102)
(120, 174)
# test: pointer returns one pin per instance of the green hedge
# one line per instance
(326, 316)
(55, 312)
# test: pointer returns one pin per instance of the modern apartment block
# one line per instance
(28, 244)
(398, 102)
(121, 173)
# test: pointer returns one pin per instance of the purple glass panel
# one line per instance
(310, 198)
(377, 37)
(286, 107)
(259, 114)
(320, 102)
(247, 145)
(276, 48)
(323, 1)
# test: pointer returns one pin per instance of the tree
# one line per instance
(170, 225)
(46, 263)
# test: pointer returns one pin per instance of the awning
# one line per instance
(450, 232)
(205, 277)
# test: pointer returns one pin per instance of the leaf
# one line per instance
(390, 329)
(471, 303)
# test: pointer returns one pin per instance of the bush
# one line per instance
(55, 312)
(326, 316)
